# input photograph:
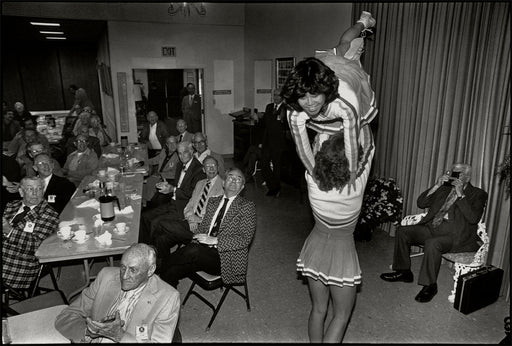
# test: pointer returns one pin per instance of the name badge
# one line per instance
(29, 227)
(51, 198)
(141, 332)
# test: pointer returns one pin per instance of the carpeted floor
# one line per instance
(384, 312)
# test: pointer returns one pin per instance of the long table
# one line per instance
(54, 249)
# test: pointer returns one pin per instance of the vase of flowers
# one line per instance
(382, 202)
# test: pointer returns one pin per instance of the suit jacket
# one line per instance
(161, 133)
(93, 143)
(191, 111)
(215, 190)
(274, 129)
(169, 171)
(158, 307)
(88, 163)
(61, 189)
(236, 232)
(187, 137)
(193, 174)
(19, 263)
(463, 215)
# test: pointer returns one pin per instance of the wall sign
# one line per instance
(222, 92)
(122, 89)
(169, 51)
(263, 91)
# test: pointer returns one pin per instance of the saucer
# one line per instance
(81, 241)
(60, 236)
(127, 229)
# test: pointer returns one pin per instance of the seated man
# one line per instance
(27, 161)
(183, 134)
(127, 304)
(164, 168)
(455, 208)
(92, 142)
(154, 134)
(81, 162)
(57, 190)
(25, 224)
(202, 151)
(222, 238)
(25, 137)
(176, 230)
(189, 171)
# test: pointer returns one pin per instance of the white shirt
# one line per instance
(153, 139)
(182, 175)
(230, 200)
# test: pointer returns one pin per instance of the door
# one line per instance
(164, 92)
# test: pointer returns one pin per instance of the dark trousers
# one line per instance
(169, 232)
(272, 176)
(150, 218)
(189, 259)
(436, 241)
(253, 154)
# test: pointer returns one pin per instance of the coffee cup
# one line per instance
(121, 227)
(80, 234)
(65, 231)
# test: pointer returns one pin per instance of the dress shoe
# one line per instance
(405, 276)
(273, 193)
(427, 293)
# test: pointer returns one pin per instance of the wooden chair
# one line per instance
(212, 282)
(463, 262)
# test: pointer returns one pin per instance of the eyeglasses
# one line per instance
(234, 178)
(81, 141)
(42, 163)
(33, 189)
(199, 142)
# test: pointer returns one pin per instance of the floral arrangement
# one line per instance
(382, 202)
(504, 173)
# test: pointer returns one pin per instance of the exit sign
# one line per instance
(169, 51)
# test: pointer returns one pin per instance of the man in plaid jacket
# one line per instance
(25, 224)
(220, 244)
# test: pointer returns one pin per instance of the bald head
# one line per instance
(138, 264)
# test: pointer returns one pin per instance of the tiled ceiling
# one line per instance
(19, 29)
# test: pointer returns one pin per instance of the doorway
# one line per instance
(162, 91)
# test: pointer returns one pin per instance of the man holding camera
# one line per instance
(454, 209)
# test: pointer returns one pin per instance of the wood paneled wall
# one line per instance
(39, 75)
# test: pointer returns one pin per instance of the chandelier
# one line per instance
(184, 8)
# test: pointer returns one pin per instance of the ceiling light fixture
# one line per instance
(184, 9)
(55, 38)
(45, 24)
(52, 32)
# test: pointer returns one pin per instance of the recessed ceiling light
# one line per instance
(52, 32)
(55, 38)
(45, 24)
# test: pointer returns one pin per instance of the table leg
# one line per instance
(87, 281)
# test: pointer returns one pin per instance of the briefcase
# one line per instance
(478, 289)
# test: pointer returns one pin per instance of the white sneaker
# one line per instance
(367, 20)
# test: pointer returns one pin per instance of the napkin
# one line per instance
(133, 161)
(90, 203)
(135, 196)
(111, 156)
(95, 183)
(126, 210)
(105, 238)
(111, 170)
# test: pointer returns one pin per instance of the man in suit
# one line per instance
(154, 133)
(81, 162)
(454, 209)
(202, 151)
(275, 126)
(127, 304)
(191, 109)
(92, 141)
(176, 230)
(188, 172)
(57, 190)
(27, 161)
(221, 242)
(183, 134)
(25, 224)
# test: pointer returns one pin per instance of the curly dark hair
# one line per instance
(331, 164)
(310, 76)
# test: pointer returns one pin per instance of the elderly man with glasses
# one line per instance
(202, 151)
(25, 224)
(27, 161)
(81, 162)
(222, 238)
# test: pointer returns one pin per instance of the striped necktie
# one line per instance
(450, 199)
(202, 200)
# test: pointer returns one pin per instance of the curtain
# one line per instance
(441, 73)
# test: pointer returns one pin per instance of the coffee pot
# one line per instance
(107, 207)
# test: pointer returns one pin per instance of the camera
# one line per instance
(453, 176)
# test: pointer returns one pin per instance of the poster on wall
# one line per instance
(106, 82)
(122, 89)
